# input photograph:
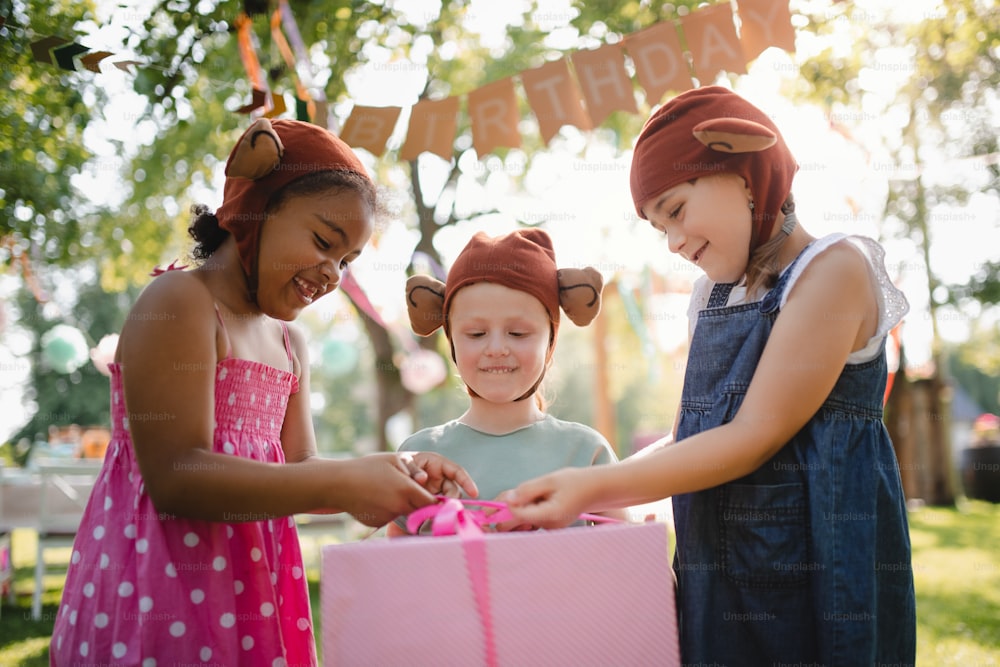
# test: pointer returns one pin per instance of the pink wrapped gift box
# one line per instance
(595, 595)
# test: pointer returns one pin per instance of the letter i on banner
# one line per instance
(494, 115)
(765, 23)
(555, 98)
(432, 127)
(370, 128)
(605, 84)
(711, 38)
(659, 61)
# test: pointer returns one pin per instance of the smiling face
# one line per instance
(708, 222)
(306, 243)
(501, 340)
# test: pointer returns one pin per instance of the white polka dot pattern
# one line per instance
(149, 589)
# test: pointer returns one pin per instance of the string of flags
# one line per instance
(581, 89)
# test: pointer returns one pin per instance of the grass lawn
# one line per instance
(956, 566)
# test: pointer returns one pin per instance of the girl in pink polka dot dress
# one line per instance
(188, 553)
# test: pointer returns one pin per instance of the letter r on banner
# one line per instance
(494, 115)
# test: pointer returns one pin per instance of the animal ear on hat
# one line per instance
(580, 294)
(258, 152)
(425, 304)
(734, 135)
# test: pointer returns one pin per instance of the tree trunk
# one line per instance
(899, 422)
(918, 418)
(392, 395)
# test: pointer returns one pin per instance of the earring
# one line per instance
(751, 204)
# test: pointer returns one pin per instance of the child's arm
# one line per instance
(831, 311)
(168, 350)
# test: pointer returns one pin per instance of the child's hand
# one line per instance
(382, 489)
(439, 475)
(554, 500)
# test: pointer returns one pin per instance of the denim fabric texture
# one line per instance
(807, 559)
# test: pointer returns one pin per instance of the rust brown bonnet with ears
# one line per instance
(523, 260)
(268, 156)
(709, 131)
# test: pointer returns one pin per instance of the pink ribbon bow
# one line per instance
(452, 516)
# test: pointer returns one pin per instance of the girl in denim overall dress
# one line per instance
(792, 537)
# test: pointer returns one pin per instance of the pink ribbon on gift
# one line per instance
(451, 516)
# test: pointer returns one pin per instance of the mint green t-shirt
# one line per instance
(499, 463)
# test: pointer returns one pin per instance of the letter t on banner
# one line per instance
(555, 98)
(370, 128)
(432, 128)
(765, 23)
(659, 61)
(605, 83)
(494, 115)
(711, 38)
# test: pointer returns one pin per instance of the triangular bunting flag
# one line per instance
(659, 60)
(765, 23)
(42, 49)
(259, 98)
(279, 106)
(494, 116)
(604, 81)
(712, 41)
(370, 127)
(432, 128)
(123, 65)
(64, 55)
(555, 98)
(91, 59)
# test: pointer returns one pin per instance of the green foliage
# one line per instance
(957, 579)
(948, 102)
(43, 112)
(83, 396)
(975, 365)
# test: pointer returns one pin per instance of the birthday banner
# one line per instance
(581, 90)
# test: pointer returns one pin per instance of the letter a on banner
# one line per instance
(605, 84)
(370, 128)
(554, 98)
(659, 61)
(494, 115)
(433, 125)
(711, 37)
(765, 23)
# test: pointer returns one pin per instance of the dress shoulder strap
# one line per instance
(288, 347)
(225, 333)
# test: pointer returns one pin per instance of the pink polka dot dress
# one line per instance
(149, 589)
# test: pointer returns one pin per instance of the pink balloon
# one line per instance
(104, 353)
(422, 370)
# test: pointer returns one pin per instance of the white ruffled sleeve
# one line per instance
(892, 303)
(701, 290)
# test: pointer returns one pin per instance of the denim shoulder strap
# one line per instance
(772, 300)
(720, 295)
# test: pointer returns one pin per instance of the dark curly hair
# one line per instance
(208, 235)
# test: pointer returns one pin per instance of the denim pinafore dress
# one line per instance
(807, 559)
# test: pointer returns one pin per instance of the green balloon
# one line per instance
(338, 358)
(64, 348)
